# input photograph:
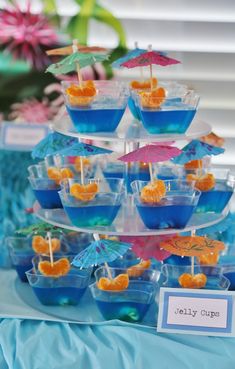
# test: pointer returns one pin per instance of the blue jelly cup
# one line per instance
(174, 210)
(173, 89)
(147, 275)
(229, 272)
(21, 254)
(53, 290)
(102, 113)
(76, 242)
(127, 260)
(173, 116)
(89, 165)
(130, 305)
(215, 277)
(101, 210)
(135, 171)
(216, 199)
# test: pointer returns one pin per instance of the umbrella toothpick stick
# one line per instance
(151, 172)
(75, 50)
(82, 170)
(192, 258)
(50, 248)
(151, 76)
(97, 238)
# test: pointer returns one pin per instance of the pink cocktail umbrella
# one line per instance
(146, 247)
(151, 154)
(148, 59)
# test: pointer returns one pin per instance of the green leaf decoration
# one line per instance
(49, 6)
(41, 227)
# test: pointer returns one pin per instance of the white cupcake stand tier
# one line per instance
(128, 222)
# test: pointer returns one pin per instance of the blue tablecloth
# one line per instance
(28, 344)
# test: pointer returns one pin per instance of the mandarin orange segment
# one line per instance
(153, 192)
(55, 174)
(119, 283)
(138, 85)
(77, 163)
(66, 173)
(59, 268)
(84, 192)
(138, 269)
(153, 99)
(193, 164)
(210, 259)
(81, 95)
(187, 280)
(205, 182)
(39, 245)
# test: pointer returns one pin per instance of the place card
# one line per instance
(15, 136)
(200, 312)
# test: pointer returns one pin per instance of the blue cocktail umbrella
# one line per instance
(52, 144)
(99, 252)
(83, 149)
(130, 55)
(196, 150)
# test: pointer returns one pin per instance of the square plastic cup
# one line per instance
(216, 199)
(130, 305)
(173, 89)
(21, 254)
(229, 272)
(103, 113)
(101, 210)
(174, 210)
(173, 116)
(118, 170)
(215, 278)
(65, 290)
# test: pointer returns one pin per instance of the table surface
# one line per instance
(39, 344)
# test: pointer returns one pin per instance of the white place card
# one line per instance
(200, 312)
(15, 136)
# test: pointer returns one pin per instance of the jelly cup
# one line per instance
(173, 89)
(118, 170)
(64, 290)
(21, 254)
(103, 113)
(216, 199)
(173, 116)
(101, 211)
(174, 210)
(229, 272)
(75, 242)
(89, 168)
(127, 260)
(130, 305)
(215, 277)
(168, 171)
(147, 275)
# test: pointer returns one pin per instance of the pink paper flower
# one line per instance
(26, 35)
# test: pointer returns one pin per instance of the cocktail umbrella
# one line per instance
(192, 246)
(68, 50)
(100, 251)
(146, 247)
(213, 139)
(43, 227)
(81, 149)
(129, 56)
(196, 150)
(151, 154)
(148, 59)
(52, 144)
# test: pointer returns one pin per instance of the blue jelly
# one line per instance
(59, 295)
(215, 200)
(21, 269)
(48, 199)
(95, 120)
(134, 108)
(167, 120)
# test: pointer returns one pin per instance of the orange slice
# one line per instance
(138, 269)
(81, 95)
(193, 164)
(111, 238)
(137, 85)
(84, 192)
(119, 283)
(153, 192)
(187, 280)
(211, 259)
(41, 246)
(59, 268)
(55, 174)
(66, 173)
(153, 99)
(77, 163)
(203, 183)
